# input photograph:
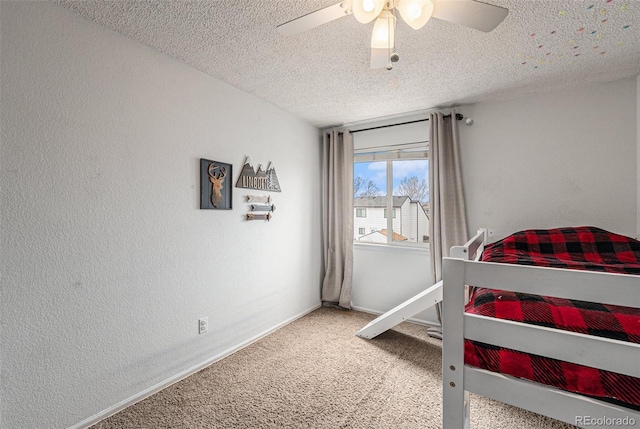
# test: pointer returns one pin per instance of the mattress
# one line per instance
(581, 248)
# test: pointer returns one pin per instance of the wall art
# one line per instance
(263, 207)
(266, 206)
(256, 216)
(265, 180)
(259, 199)
(215, 189)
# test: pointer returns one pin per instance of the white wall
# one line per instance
(409, 132)
(106, 260)
(385, 276)
(561, 159)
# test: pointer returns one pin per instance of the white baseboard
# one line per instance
(412, 320)
(183, 374)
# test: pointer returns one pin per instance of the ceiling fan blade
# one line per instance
(379, 58)
(470, 13)
(314, 19)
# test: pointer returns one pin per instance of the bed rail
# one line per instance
(458, 379)
(472, 249)
(555, 403)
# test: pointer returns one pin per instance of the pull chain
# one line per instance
(389, 24)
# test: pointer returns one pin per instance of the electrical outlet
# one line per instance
(203, 325)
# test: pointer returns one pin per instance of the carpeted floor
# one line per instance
(315, 373)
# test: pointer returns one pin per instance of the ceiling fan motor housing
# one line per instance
(469, 13)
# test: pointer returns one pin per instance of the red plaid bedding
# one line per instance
(582, 248)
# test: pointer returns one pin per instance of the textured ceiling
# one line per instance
(323, 75)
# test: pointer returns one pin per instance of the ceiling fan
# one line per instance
(470, 13)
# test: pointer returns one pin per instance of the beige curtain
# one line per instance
(448, 222)
(337, 217)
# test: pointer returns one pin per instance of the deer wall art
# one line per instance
(215, 190)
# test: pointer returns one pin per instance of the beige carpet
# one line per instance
(315, 373)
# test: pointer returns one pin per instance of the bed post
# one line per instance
(455, 400)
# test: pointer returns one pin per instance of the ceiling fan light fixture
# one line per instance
(366, 11)
(384, 30)
(474, 14)
(415, 13)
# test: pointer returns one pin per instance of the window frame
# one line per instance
(399, 152)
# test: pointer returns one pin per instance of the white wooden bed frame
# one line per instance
(603, 353)
(463, 268)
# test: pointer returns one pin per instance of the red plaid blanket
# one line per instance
(582, 248)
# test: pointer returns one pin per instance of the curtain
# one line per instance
(448, 222)
(337, 217)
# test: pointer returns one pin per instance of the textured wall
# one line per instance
(385, 276)
(553, 160)
(106, 260)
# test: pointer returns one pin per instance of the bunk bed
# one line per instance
(527, 333)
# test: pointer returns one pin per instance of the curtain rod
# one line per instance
(459, 117)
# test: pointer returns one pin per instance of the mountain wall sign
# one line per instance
(260, 179)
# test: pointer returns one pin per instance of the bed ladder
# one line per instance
(426, 299)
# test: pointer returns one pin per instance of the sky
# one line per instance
(377, 171)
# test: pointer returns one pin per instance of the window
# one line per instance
(392, 178)
(361, 231)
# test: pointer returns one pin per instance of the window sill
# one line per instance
(392, 247)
